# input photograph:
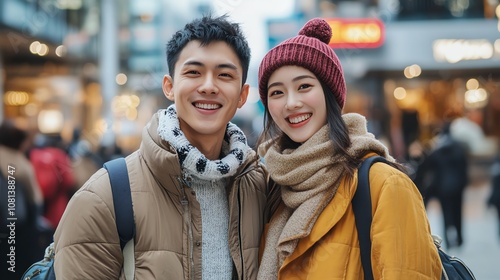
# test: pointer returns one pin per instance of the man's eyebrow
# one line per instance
(219, 66)
(227, 65)
(193, 62)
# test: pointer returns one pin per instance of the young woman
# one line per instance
(312, 153)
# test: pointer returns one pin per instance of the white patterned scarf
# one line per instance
(234, 148)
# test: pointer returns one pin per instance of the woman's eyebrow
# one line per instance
(303, 77)
(294, 79)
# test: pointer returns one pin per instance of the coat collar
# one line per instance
(160, 158)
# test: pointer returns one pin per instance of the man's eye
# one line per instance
(191, 72)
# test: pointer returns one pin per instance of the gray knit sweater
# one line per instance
(208, 179)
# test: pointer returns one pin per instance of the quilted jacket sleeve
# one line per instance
(402, 246)
(86, 240)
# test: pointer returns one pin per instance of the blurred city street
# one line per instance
(481, 248)
(85, 77)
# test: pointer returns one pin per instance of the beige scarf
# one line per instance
(310, 176)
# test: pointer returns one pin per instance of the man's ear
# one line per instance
(167, 86)
(243, 95)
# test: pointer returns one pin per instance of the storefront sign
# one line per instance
(455, 50)
(356, 33)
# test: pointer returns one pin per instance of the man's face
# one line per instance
(206, 89)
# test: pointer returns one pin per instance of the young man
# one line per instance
(198, 189)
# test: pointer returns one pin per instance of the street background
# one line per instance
(481, 247)
(90, 74)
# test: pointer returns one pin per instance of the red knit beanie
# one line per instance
(310, 50)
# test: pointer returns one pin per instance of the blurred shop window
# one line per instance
(431, 9)
(50, 121)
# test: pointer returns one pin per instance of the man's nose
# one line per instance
(209, 86)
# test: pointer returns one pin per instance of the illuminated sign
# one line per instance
(455, 50)
(356, 33)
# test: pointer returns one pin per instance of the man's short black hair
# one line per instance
(209, 29)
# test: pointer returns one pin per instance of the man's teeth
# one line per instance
(299, 118)
(207, 106)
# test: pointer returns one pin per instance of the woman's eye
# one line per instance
(276, 92)
(304, 86)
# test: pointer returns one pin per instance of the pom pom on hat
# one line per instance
(309, 49)
(317, 28)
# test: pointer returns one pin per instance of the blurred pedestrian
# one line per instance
(54, 174)
(84, 161)
(14, 143)
(312, 152)
(443, 174)
(198, 189)
(19, 185)
(467, 130)
(110, 152)
(494, 197)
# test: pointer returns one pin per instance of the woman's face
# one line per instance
(296, 102)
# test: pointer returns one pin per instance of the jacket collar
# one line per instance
(161, 158)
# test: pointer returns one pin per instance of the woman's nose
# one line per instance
(292, 102)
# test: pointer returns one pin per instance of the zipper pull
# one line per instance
(183, 183)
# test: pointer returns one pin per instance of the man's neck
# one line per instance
(209, 146)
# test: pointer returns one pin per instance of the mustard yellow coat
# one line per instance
(402, 246)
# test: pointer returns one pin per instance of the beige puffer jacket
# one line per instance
(86, 240)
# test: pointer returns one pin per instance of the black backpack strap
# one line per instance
(362, 207)
(122, 199)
